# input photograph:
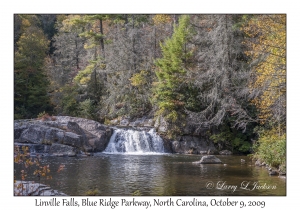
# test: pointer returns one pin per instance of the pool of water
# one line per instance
(158, 174)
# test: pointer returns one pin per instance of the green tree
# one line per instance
(30, 81)
(169, 90)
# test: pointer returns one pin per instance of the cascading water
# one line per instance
(134, 141)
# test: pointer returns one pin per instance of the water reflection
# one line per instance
(157, 175)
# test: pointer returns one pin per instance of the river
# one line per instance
(159, 174)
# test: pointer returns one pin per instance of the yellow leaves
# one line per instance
(161, 19)
(139, 79)
(267, 43)
(71, 22)
(25, 23)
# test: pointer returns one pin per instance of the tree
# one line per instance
(169, 90)
(127, 54)
(266, 42)
(30, 81)
(220, 73)
(267, 47)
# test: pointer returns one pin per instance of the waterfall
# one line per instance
(134, 141)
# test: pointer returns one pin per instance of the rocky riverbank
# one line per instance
(70, 136)
(30, 188)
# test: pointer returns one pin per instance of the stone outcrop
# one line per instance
(66, 135)
(30, 188)
(192, 145)
(209, 159)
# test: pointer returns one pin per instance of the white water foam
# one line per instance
(134, 142)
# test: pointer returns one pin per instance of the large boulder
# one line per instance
(209, 159)
(83, 134)
(34, 134)
(96, 136)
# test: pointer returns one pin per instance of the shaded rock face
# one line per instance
(209, 159)
(192, 145)
(81, 134)
(30, 188)
(225, 152)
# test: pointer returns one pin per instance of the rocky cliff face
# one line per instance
(65, 135)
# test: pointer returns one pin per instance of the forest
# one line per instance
(224, 73)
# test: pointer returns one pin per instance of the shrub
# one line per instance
(45, 116)
(271, 148)
(94, 192)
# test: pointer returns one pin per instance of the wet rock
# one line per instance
(273, 173)
(61, 150)
(282, 173)
(209, 159)
(124, 122)
(258, 162)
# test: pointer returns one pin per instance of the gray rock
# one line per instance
(209, 159)
(92, 130)
(84, 134)
(75, 128)
(73, 140)
(273, 173)
(148, 122)
(61, 150)
(282, 173)
(124, 122)
(258, 162)
(192, 145)
(52, 135)
(30, 188)
(225, 152)
(34, 134)
(71, 154)
(19, 127)
(161, 125)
